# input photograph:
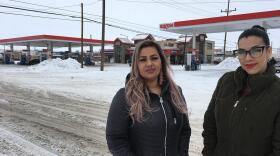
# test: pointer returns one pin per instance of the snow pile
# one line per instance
(57, 65)
(229, 63)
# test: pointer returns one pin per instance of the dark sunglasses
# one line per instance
(254, 52)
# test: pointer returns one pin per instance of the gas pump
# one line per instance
(188, 62)
(23, 59)
(7, 57)
(88, 60)
(192, 62)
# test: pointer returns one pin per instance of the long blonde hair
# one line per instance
(137, 94)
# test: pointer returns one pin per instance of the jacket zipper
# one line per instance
(237, 100)
(231, 116)
(234, 108)
(165, 137)
(235, 105)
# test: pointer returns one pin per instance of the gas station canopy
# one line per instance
(56, 41)
(240, 22)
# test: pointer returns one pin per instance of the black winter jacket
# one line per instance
(236, 125)
(147, 138)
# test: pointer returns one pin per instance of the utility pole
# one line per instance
(4, 54)
(82, 35)
(225, 40)
(103, 36)
(184, 52)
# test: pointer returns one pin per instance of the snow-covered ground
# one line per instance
(68, 79)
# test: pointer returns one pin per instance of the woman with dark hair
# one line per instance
(243, 117)
(149, 116)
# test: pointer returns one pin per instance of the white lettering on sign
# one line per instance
(166, 26)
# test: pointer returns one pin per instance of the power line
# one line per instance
(53, 7)
(76, 5)
(183, 2)
(88, 20)
(181, 7)
(127, 23)
(108, 18)
(171, 6)
(37, 11)
(59, 8)
(72, 16)
(194, 8)
(225, 38)
(44, 17)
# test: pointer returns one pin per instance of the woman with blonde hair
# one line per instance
(149, 116)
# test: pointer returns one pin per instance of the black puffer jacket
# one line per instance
(238, 124)
(147, 138)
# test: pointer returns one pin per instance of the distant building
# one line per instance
(172, 48)
(109, 55)
(171, 51)
(124, 48)
(141, 37)
(204, 49)
(209, 51)
(122, 52)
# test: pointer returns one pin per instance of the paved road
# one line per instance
(40, 123)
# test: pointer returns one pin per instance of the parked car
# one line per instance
(277, 67)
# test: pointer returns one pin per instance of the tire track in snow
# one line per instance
(27, 147)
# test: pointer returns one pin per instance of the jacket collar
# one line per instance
(255, 83)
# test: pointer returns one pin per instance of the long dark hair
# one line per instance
(258, 31)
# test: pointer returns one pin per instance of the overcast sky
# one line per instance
(138, 15)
